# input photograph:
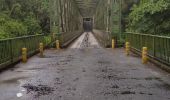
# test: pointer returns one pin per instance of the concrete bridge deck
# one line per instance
(85, 71)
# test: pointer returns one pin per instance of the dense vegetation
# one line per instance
(126, 9)
(150, 16)
(29, 17)
(23, 17)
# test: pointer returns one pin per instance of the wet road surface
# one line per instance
(85, 71)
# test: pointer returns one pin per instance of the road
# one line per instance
(84, 71)
(86, 40)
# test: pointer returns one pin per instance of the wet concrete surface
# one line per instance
(86, 40)
(86, 72)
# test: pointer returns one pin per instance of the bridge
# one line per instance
(86, 57)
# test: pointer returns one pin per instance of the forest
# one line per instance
(150, 17)
(23, 17)
(30, 17)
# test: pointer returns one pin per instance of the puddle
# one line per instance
(38, 90)
(12, 80)
(103, 62)
(105, 69)
(114, 86)
(118, 93)
(145, 93)
(110, 77)
(127, 92)
(50, 57)
(35, 68)
(152, 78)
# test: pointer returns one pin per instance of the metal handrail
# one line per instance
(148, 35)
(158, 46)
(10, 49)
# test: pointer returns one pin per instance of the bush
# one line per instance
(3, 33)
(33, 26)
(23, 17)
(15, 28)
(11, 28)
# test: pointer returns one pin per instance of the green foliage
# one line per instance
(10, 27)
(126, 9)
(3, 33)
(15, 28)
(151, 17)
(3, 19)
(23, 17)
(32, 26)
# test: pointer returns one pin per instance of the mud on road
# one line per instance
(86, 72)
(87, 40)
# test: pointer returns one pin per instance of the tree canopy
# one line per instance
(23, 17)
(150, 17)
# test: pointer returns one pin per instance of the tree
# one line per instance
(150, 16)
(126, 9)
(24, 17)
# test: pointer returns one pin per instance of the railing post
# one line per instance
(24, 55)
(41, 48)
(57, 44)
(154, 52)
(11, 51)
(144, 55)
(127, 47)
(113, 43)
